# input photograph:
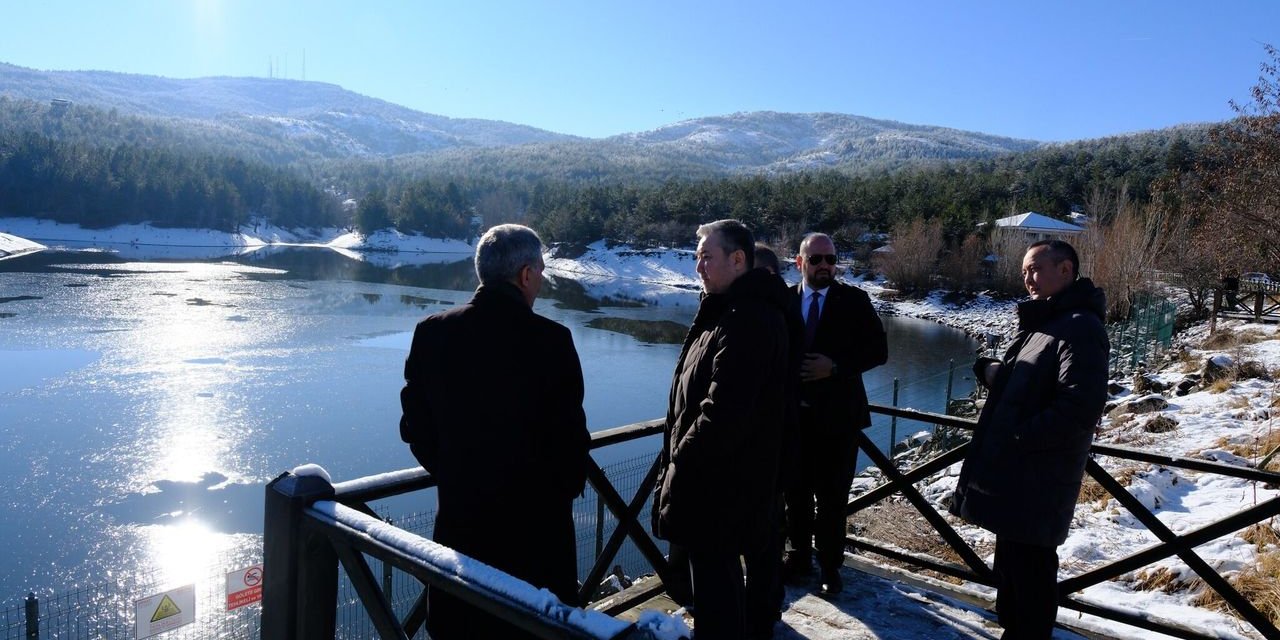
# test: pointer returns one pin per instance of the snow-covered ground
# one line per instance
(1227, 422)
(146, 242)
(14, 246)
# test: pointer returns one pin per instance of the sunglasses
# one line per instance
(817, 259)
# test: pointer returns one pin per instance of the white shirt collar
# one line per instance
(804, 288)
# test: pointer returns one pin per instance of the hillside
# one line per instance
(322, 117)
(300, 120)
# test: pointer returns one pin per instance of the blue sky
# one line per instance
(1040, 70)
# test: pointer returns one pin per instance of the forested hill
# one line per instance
(314, 117)
(277, 120)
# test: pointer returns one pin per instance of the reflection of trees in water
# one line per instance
(304, 263)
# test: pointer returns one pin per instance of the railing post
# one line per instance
(300, 567)
(599, 526)
(33, 617)
(951, 375)
(893, 421)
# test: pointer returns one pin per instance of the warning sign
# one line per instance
(244, 587)
(164, 611)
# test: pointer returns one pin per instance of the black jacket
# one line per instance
(851, 334)
(720, 450)
(493, 409)
(1022, 476)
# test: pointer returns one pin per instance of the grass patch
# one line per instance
(897, 523)
(1226, 339)
(1260, 584)
(1222, 386)
(1093, 492)
(1163, 579)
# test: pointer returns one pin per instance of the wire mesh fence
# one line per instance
(106, 610)
(1139, 339)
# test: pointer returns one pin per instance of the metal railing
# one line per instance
(324, 539)
(313, 527)
(1170, 544)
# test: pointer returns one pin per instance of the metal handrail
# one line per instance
(312, 526)
(1171, 544)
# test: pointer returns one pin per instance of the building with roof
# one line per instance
(1037, 226)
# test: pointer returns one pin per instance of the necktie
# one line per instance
(811, 322)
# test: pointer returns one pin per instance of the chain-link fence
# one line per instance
(105, 611)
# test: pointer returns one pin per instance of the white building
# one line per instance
(1036, 226)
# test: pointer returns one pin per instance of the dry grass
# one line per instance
(1260, 584)
(1238, 402)
(1226, 339)
(897, 523)
(1162, 579)
(1092, 492)
(1262, 534)
(1256, 449)
(1222, 386)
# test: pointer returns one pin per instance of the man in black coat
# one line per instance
(844, 338)
(493, 409)
(1022, 476)
(719, 454)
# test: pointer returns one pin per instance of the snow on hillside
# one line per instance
(652, 276)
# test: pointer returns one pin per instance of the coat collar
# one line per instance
(502, 294)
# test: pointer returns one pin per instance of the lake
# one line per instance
(144, 403)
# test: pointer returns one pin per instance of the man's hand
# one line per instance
(815, 366)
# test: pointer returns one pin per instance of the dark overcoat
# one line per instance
(720, 449)
(1022, 476)
(493, 410)
(851, 334)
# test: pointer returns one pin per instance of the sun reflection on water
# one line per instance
(183, 552)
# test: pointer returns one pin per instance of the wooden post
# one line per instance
(893, 421)
(1213, 315)
(33, 617)
(300, 567)
(951, 374)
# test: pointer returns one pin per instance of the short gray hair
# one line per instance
(734, 236)
(504, 250)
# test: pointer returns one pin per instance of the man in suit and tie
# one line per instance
(843, 339)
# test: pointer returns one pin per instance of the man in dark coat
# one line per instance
(1022, 476)
(493, 409)
(719, 454)
(844, 339)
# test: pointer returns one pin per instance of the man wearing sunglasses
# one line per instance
(843, 339)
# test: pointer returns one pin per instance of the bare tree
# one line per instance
(1238, 196)
(963, 264)
(916, 245)
(1007, 246)
(1121, 252)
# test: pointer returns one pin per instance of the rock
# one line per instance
(1216, 368)
(1186, 386)
(1252, 369)
(1160, 424)
(1115, 389)
(1144, 384)
(1145, 404)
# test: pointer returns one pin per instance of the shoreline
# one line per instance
(657, 276)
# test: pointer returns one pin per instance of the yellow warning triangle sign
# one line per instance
(167, 609)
